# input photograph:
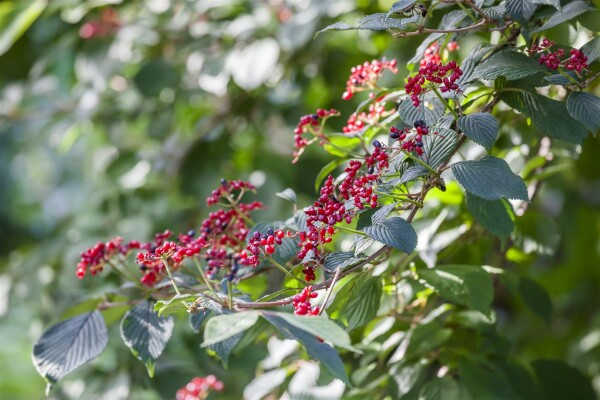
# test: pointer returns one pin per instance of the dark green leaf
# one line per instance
(510, 64)
(401, 23)
(394, 232)
(430, 110)
(373, 22)
(550, 116)
(338, 26)
(421, 51)
(492, 214)
(145, 333)
(592, 49)
(222, 327)
(521, 10)
(224, 348)
(154, 76)
(521, 380)
(490, 178)
(196, 320)
(363, 308)
(400, 6)
(559, 79)
(468, 66)
(497, 12)
(482, 128)
(321, 352)
(438, 147)
(568, 12)
(560, 381)
(289, 195)
(553, 3)
(342, 260)
(452, 19)
(536, 298)
(177, 303)
(69, 344)
(484, 380)
(444, 388)
(463, 284)
(412, 173)
(321, 327)
(382, 213)
(585, 107)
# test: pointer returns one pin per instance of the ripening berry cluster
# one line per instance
(258, 241)
(577, 61)
(226, 188)
(366, 75)
(411, 140)
(93, 259)
(309, 124)
(302, 304)
(432, 55)
(375, 112)
(199, 388)
(436, 74)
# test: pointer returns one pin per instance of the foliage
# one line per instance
(405, 276)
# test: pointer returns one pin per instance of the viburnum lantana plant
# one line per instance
(416, 167)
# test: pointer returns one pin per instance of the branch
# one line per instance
(423, 30)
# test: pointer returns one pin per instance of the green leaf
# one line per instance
(345, 293)
(321, 352)
(224, 348)
(341, 145)
(15, 18)
(490, 178)
(197, 319)
(559, 381)
(426, 338)
(69, 344)
(407, 375)
(177, 303)
(430, 110)
(484, 380)
(492, 214)
(559, 79)
(321, 327)
(340, 259)
(363, 307)
(482, 128)
(536, 298)
(553, 3)
(444, 388)
(438, 148)
(510, 64)
(222, 327)
(373, 22)
(394, 232)
(496, 12)
(568, 12)
(521, 380)
(402, 23)
(326, 171)
(291, 283)
(400, 6)
(338, 26)
(521, 10)
(412, 173)
(549, 116)
(145, 333)
(585, 107)
(463, 284)
(421, 51)
(592, 49)
(289, 195)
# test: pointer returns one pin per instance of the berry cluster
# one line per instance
(432, 55)
(375, 112)
(226, 188)
(366, 75)
(452, 46)
(95, 258)
(552, 59)
(411, 140)
(199, 388)
(259, 241)
(446, 75)
(309, 124)
(302, 304)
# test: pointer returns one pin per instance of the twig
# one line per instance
(333, 282)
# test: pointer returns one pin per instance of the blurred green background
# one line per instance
(119, 117)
